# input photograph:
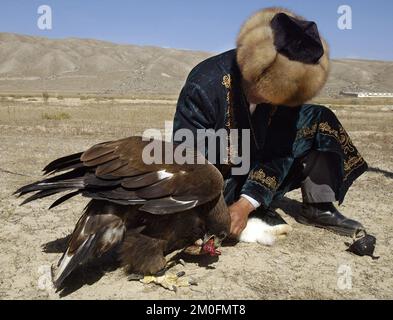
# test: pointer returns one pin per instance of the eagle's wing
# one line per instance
(117, 171)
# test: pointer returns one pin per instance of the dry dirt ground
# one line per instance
(311, 263)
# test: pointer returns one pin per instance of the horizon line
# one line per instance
(164, 47)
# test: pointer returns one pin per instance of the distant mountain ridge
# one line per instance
(37, 64)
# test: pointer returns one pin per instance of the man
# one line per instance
(280, 63)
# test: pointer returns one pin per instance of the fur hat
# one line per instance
(274, 67)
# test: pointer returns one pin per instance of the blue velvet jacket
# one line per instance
(212, 98)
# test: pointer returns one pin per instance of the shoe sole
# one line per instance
(338, 230)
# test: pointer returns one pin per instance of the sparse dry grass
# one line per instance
(354, 101)
(56, 116)
(303, 266)
(108, 120)
(85, 96)
(45, 97)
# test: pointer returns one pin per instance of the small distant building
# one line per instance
(367, 94)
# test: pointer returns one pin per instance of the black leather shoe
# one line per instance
(326, 215)
(271, 217)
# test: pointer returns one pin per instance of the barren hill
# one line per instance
(35, 64)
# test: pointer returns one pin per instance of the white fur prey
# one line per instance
(260, 232)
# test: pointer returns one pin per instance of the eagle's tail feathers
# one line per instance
(69, 262)
(70, 181)
(63, 199)
(64, 163)
(43, 194)
(96, 233)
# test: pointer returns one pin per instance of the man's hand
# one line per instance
(239, 212)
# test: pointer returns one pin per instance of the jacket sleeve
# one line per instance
(194, 110)
(265, 178)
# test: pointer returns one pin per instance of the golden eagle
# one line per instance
(147, 211)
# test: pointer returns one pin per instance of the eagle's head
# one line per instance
(212, 242)
(216, 228)
(218, 224)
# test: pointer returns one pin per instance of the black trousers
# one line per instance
(314, 174)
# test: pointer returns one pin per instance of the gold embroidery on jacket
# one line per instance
(307, 132)
(262, 179)
(227, 83)
(351, 164)
(352, 158)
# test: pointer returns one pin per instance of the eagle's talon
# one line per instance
(170, 281)
(135, 277)
(180, 274)
(192, 282)
(161, 272)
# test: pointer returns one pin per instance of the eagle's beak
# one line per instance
(210, 245)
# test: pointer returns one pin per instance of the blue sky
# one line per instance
(209, 25)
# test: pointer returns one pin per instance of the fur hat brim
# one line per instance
(269, 76)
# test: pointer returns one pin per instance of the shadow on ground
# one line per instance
(387, 174)
(94, 270)
(289, 206)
